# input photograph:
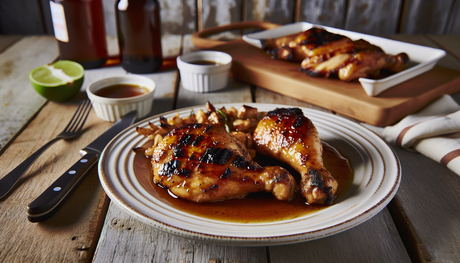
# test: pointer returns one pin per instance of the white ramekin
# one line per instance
(204, 78)
(111, 109)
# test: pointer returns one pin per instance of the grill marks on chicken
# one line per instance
(287, 135)
(204, 163)
(326, 54)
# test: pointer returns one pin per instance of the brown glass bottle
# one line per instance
(85, 41)
(139, 35)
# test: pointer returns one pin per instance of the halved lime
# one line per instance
(59, 81)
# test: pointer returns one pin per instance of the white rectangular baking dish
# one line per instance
(421, 58)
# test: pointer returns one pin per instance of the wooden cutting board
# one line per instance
(254, 66)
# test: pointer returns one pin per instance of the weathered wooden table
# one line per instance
(421, 224)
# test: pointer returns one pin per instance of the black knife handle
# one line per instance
(55, 196)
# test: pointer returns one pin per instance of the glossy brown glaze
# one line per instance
(287, 135)
(256, 207)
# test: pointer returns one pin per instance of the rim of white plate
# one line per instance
(377, 178)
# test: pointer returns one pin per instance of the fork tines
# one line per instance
(79, 118)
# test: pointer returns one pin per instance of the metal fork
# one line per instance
(72, 130)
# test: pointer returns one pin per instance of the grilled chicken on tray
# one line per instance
(326, 54)
(203, 160)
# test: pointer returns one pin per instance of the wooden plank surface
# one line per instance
(426, 17)
(18, 99)
(450, 43)
(218, 12)
(182, 16)
(178, 17)
(427, 206)
(71, 234)
(76, 224)
(454, 21)
(21, 17)
(373, 17)
(428, 198)
(428, 217)
(7, 40)
(274, 11)
(355, 245)
(328, 12)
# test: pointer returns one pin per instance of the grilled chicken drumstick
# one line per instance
(205, 163)
(287, 135)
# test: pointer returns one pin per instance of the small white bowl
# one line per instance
(204, 78)
(111, 109)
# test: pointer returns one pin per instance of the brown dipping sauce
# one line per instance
(205, 63)
(259, 207)
(117, 91)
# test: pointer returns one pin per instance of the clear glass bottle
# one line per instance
(139, 35)
(79, 28)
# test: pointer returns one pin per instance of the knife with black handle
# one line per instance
(49, 202)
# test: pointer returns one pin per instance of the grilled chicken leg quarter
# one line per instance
(287, 135)
(205, 163)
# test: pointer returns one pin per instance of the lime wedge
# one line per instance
(59, 81)
(58, 73)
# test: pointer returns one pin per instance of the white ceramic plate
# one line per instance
(377, 176)
(421, 58)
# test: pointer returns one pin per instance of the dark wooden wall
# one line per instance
(378, 17)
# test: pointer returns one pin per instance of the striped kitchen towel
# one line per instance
(434, 132)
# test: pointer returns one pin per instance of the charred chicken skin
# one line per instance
(287, 135)
(205, 163)
(326, 54)
(297, 47)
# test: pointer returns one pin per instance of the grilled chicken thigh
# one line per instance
(287, 135)
(205, 163)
